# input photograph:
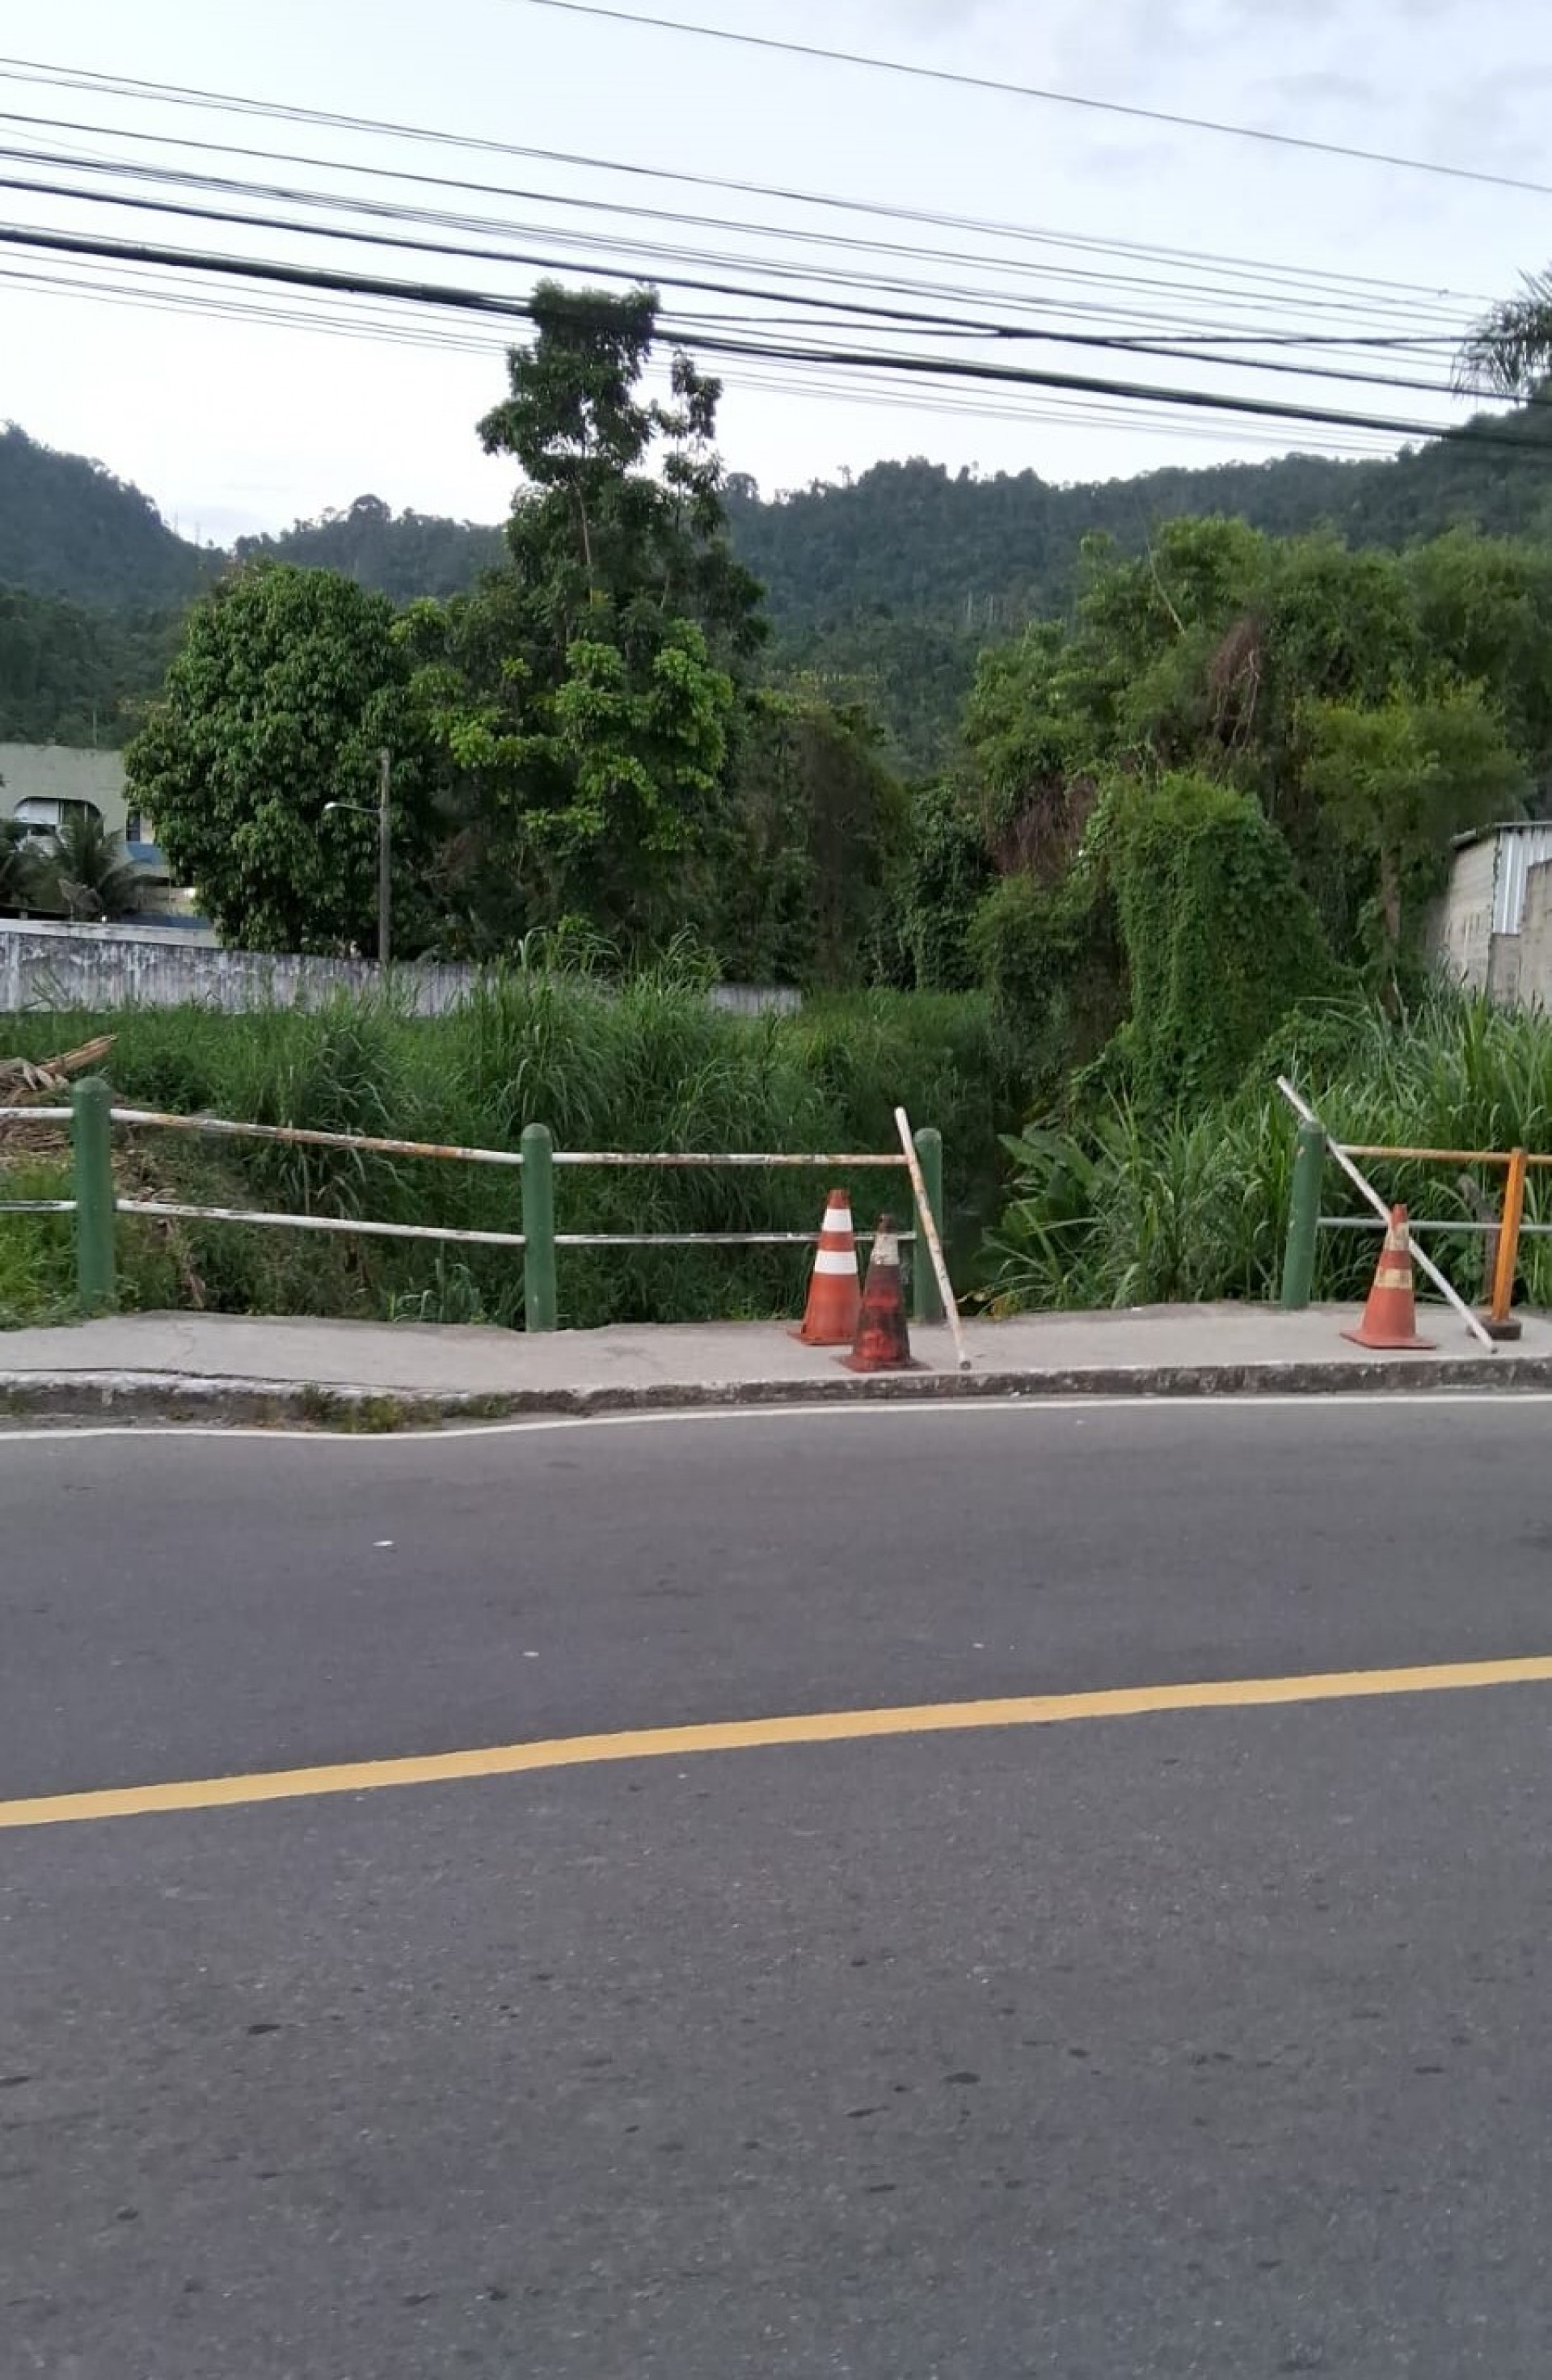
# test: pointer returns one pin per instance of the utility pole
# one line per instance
(385, 854)
(384, 816)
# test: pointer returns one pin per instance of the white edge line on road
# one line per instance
(1091, 1407)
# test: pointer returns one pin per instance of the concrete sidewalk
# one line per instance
(370, 1375)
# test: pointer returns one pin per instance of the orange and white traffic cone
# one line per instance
(830, 1318)
(1390, 1315)
(882, 1342)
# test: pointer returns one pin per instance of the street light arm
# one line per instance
(383, 816)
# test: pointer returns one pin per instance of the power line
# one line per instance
(1054, 98)
(927, 367)
(1070, 414)
(1333, 291)
(192, 96)
(850, 308)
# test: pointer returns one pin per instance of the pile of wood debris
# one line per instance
(46, 1083)
(22, 1079)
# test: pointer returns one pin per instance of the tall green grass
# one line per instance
(37, 1257)
(1134, 1210)
(648, 1065)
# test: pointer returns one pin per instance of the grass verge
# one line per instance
(648, 1065)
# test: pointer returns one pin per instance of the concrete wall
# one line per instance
(104, 967)
(1461, 937)
(1531, 985)
(1492, 932)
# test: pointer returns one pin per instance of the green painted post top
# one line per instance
(541, 1297)
(926, 1297)
(92, 1134)
(1303, 1217)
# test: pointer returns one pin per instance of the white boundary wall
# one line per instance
(99, 967)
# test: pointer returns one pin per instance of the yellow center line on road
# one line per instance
(756, 1734)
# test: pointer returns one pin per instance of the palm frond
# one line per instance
(1511, 348)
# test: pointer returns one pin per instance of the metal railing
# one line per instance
(1503, 1231)
(97, 1204)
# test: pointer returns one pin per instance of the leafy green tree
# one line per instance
(799, 879)
(595, 530)
(1222, 652)
(1400, 779)
(587, 699)
(1051, 957)
(944, 876)
(1220, 940)
(1485, 613)
(288, 684)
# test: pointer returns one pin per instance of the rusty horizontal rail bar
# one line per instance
(704, 1239)
(34, 1115)
(176, 1209)
(1438, 1156)
(374, 1145)
(305, 1137)
(37, 1206)
(677, 1159)
(1475, 1230)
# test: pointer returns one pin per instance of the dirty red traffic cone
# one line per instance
(1390, 1315)
(882, 1342)
(834, 1293)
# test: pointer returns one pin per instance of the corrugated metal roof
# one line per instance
(1519, 848)
(1490, 833)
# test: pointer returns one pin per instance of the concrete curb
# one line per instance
(129, 1397)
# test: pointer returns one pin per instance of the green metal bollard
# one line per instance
(926, 1297)
(91, 1132)
(539, 1301)
(1303, 1217)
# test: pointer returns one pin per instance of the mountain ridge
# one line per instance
(882, 586)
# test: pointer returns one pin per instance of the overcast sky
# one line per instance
(238, 425)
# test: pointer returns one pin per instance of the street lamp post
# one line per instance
(385, 829)
(385, 851)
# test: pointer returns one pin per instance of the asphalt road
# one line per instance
(1213, 2042)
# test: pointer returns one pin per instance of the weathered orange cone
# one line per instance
(882, 1342)
(1390, 1315)
(834, 1293)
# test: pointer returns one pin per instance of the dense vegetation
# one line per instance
(69, 528)
(881, 591)
(583, 739)
(649, 1066)
(1133, 1207)
(1184, 825)
(68, 675)
(398, 554)
(990, 553)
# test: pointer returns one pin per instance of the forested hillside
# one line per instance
(882, 589)
(988, 553)
(886, 587)
(398, 554)
(69, 528)
(69, 676)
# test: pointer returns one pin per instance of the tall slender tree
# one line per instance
(587, 697)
